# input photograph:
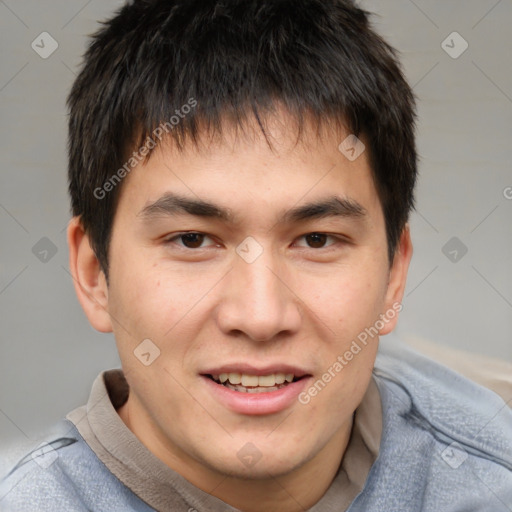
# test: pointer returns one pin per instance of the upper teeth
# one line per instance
(255, 380)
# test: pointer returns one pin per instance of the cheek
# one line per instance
(159, 300)
(349, 303)
(141, 300)
(348, 300)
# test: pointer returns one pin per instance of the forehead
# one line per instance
(241, 166)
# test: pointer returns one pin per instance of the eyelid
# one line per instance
(337, 239)
(176, 236)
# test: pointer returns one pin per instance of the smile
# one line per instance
(249, 391)
(245, 383)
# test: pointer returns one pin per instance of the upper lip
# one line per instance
(249, 369)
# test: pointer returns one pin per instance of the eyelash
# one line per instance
(174, 238)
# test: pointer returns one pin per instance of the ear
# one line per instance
(89, 280)
(397, 280)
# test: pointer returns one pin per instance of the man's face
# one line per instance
(269, 288)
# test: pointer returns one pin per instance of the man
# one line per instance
(241, 175)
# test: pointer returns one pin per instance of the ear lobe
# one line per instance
(397, 280)
(88, 278)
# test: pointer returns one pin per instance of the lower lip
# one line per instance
(257, 403)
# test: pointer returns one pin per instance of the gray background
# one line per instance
(50, 354)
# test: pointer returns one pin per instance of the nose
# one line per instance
(258, 300)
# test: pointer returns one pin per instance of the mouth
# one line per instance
(249, 383)
(245, 389)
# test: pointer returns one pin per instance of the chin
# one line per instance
(258, 460)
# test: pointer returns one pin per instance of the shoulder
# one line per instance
(494, 374)
(448, 400)
(62, 473)
(444, 436)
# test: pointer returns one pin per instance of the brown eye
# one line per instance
(316, 240)
(192, 240)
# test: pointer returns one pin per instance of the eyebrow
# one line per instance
(172, 204)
